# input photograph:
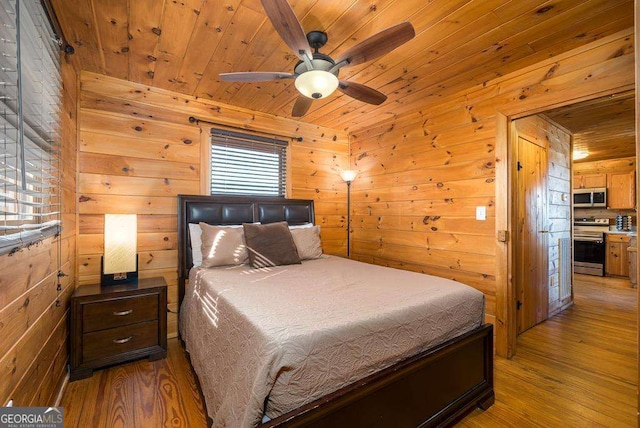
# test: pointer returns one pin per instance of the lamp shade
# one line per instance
(120, 243)
(349, 175)
(316, 83)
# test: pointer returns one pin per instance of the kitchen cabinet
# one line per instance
(588, 181)
(617, 256)
(621, 190)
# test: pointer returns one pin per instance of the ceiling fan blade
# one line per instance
(379, 44)
(254, 76)
(362, 92)
(288, 26)
(301, 106)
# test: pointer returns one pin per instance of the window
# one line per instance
(30, 86)
(244, 164)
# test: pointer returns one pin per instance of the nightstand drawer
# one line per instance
(106, 343)
(120, 312)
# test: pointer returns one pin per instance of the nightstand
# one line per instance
(115, 324)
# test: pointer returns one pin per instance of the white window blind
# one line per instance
(30, 93)
(243, 164)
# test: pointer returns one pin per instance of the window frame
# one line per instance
(206, 141)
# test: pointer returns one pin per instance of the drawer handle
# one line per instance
(121, 341)
(123, 313)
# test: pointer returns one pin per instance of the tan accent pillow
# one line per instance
(222, 246)
(270, 245)
(307, 240)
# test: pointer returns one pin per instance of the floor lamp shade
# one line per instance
(120, 243)
(349, 175)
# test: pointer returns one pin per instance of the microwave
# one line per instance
(590, 198)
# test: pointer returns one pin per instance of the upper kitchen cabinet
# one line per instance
(621, 190)
(588, 181)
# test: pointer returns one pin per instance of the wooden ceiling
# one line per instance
(182, 45)
(604, 128)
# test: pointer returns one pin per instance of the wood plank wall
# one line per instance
(33, 328)
(423, 174)
(138, 151)
(558, 144)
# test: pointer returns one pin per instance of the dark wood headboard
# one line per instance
(225, 210)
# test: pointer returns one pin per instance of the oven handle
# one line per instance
(596, 240)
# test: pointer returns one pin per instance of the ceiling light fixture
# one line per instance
(580, 154)
(316, 84)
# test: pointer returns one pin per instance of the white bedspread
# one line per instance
(287, 335)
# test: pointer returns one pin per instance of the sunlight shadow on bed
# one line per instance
(209, 303)
(260, 260)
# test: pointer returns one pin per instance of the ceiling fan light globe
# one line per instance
(316, 84)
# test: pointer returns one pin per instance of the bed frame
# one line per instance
(437, 387)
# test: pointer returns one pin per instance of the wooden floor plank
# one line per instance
(121, 395)
(146, 398)
(579, 365)
(576, 369)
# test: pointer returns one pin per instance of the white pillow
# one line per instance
(307, 240)
(302, 226)
(195, 232)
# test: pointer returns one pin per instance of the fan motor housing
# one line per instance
(320, 62)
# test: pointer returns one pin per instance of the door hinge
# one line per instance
(518, 305)
(519, 166)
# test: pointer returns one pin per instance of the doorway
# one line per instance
(539, 287)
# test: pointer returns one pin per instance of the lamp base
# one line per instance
(109, 279)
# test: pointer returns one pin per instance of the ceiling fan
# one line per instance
(316, 74)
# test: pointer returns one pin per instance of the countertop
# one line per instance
(622, 232)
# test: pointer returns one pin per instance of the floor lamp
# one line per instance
(348, 176)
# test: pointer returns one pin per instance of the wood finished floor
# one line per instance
(577, 369)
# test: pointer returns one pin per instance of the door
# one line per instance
(531, 246)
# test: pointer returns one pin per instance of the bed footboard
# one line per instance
(435, 388)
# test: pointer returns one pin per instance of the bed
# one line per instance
(410, 365)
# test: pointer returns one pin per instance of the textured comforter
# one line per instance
(270, 340)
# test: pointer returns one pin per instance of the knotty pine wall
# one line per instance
(423, 174)
(138, 151)
(33, 329)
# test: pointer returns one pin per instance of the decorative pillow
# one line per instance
(270, 245)
(195, 233)
(222, 246)
(307, 240)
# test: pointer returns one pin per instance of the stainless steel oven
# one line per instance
(589, 248)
